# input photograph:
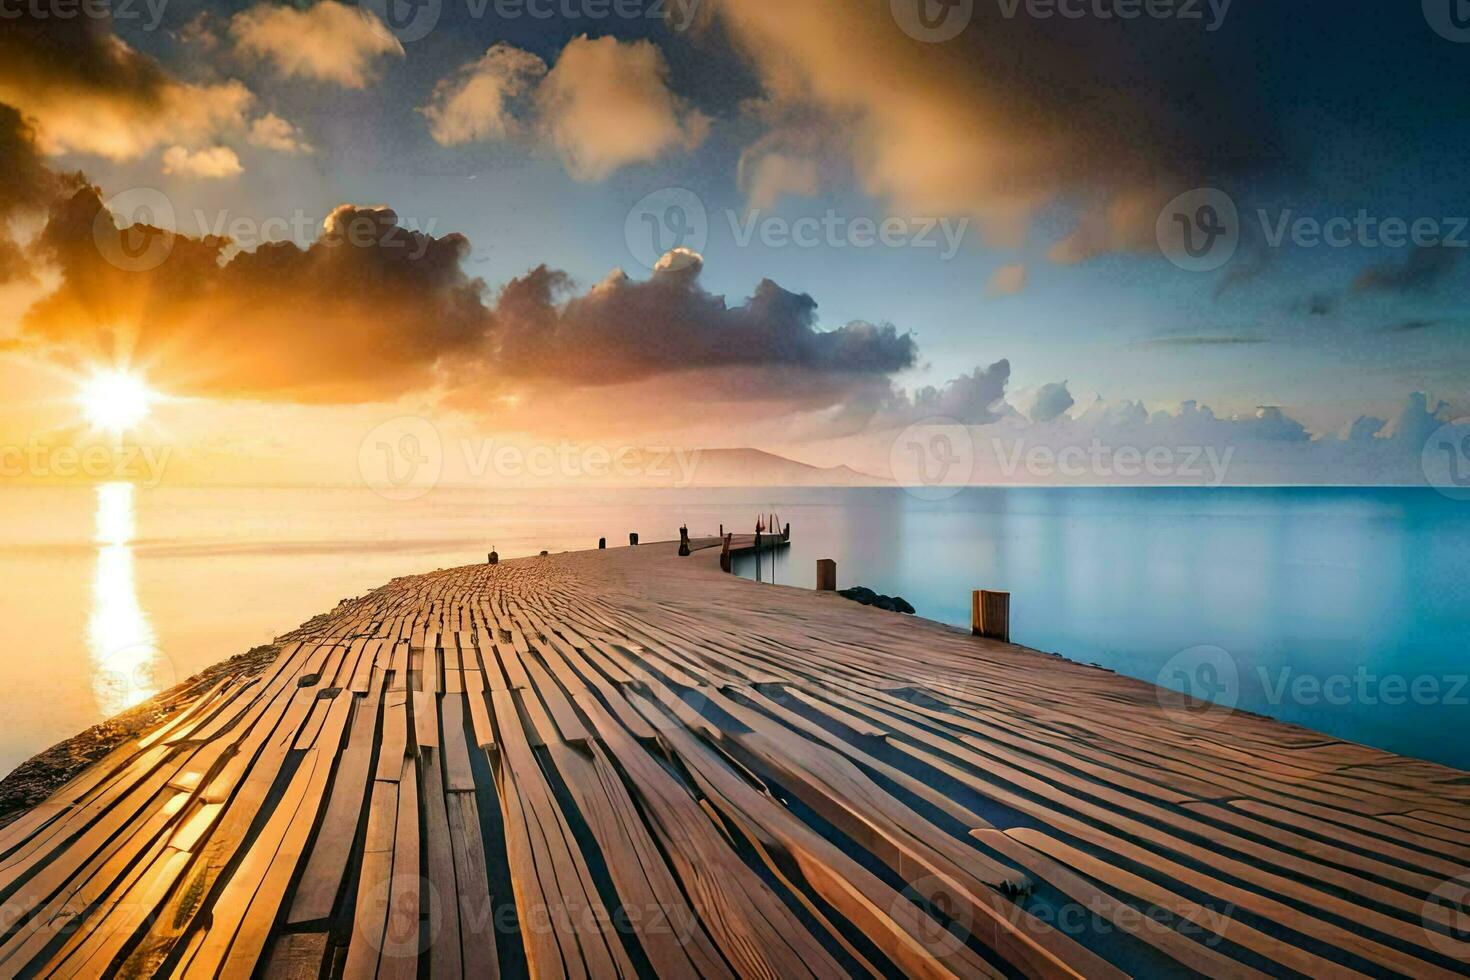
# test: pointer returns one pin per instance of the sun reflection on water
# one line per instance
(127, 668)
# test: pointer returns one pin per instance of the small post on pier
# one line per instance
(494, 558)
(684, 541)
(826, 575)
(990, 615)
(726, 562)
(602, 544)
(633, 539)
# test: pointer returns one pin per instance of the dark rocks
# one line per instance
(867, 597)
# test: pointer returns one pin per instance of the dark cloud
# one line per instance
(1410, 326)
(1202, 340)
(87, 90)
(1423, 269)
(1052, 401)
(27, 187)
(365, 312)
(624, 330)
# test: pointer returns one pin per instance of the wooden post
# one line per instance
(602, 544)
(826, 575)
(633, 539)
(684, 541)
(990, 614)
(494, 558)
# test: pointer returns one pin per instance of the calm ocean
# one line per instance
(1341, 609)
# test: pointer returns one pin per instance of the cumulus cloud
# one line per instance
(27, 189)
(624, 330)
(1008, 280)
(605, 105)
(363, 313)
(1010, 117)
(327, 42)
(88, 91)
(1051, 402)
(213, 162)
(481, 99)
(1420, 271)
(272, 132)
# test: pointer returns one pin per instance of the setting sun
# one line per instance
(115, 400)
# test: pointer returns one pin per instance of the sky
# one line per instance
(816, 228)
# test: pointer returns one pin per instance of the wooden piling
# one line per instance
(826, 575)
(990, 615)
(633, 539)
(602, 544)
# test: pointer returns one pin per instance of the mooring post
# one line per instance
(602, 544)
(826, 575)
(684, 541)
(990, 615)
(633, 538)
(494, 558)
(726, 562)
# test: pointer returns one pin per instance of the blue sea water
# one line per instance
(1344, 610)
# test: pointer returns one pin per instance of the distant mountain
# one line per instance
(733, 468)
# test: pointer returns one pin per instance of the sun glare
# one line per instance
(115, 400)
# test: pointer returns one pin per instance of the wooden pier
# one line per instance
(623, 762)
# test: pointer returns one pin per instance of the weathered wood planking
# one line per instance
(624, 763)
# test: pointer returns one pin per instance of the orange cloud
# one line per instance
(88, 91)
(605, 105)
(327, 42)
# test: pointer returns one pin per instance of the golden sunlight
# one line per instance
(115, 400)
